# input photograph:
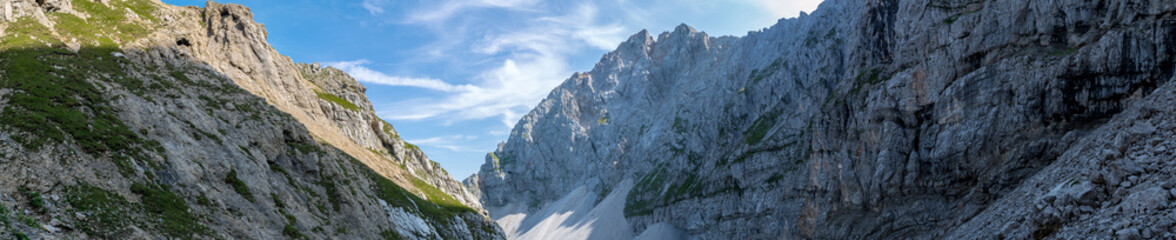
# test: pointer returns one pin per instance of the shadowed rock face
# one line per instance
(868, 119)
(138, 120)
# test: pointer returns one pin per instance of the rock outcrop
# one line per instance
(134, 119)
(344, 102)
(865, 120)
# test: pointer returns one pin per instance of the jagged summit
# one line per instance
(137, 119)
(684, 29)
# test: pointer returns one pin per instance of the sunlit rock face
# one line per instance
(864, 120)
(133, 119)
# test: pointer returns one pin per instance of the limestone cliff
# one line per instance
(343, 100)
(136, 119)
(874, 119)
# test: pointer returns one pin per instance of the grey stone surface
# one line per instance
(370, 132)
(218, 99)
(870, 119)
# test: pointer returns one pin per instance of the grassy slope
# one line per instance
(62, 97)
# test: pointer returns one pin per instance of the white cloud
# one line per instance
(582, 22)
(364, 74)
(790, 8)
(533, 59)
(451, 143)
(507, 90)
(373, 6)
(447, 9)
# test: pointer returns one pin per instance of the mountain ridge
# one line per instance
(864, 119)
(194, 119)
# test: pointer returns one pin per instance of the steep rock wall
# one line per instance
(866, 119)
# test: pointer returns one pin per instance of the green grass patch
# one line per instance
(28, 220)
(4, 216)
(391, 235)
(277, 201)
(74, 27)
(758, 75)
(203, 200)
(333, 194)
(35, 199)
(792, 140)
(113, 19)
(337, 100)
(689, 188)
(290, 231)
(26, 32)
(759, 129)
(172, 212)
(18, 235)
(866, 78)
(438, 215)
(182, 77)
(436, 196)
(106, 212)
(53, 102)
(388, 129)
(239, 186)
(309, 147)
(278, 168)
(376, 152)
(411, 146)
(499, 161)
(651, 183)
(648, 194)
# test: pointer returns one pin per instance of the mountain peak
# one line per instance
(684, 29)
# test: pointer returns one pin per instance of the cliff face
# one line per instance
(344, 102)
(867, 119)
(136, 119)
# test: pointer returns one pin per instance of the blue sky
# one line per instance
(454, 76)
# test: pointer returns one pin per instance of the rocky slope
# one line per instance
(354, 115)
(136, 119)
(867, 119)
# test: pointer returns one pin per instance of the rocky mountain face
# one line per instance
(137, 119)
(353, 114)
(871, 119)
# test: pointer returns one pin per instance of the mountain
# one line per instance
(136, 119)
(876, 119)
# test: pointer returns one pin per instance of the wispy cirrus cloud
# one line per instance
(454, 143)
(531, 59)
(373, 6)
(361, 73)
(446, 9)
